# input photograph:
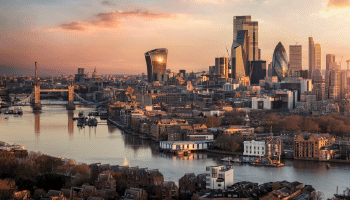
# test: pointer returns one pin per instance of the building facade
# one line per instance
(308, 146)
(156, 61)
(254, 148)
(295, 58)
(219, 177)
(245, 23)
(280, 62)
(221, 67)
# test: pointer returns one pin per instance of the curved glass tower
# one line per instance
(280, 62)
(156, 61)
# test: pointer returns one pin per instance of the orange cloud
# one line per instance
(338, 3)
(111, 20)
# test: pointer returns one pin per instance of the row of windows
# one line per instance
(262, 152)
(250, 147)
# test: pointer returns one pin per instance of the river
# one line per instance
(52, 131)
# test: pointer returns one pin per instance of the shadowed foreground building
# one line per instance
(156, 61)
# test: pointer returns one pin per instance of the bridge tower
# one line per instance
(37, 104)
(70, 105)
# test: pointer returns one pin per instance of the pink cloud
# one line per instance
(338, 3)
(112, 19)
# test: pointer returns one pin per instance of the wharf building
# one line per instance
(156, 61)
(310, 146)
(280, 62)
(254, 148)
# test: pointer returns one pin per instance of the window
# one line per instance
(258, 152)
(262, 148)
(258, 148)
(219, 185)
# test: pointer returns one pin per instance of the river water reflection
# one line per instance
(52, 131)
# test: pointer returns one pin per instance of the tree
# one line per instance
(212, 122)
(310, 125)
(50, 181)
(226, 142)
(319, 195)
(290, 123)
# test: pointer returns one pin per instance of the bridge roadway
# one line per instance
(53, 90)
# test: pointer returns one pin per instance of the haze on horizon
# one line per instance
(113, 35)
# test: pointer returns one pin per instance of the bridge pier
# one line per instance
(70, 105)
(37, 103)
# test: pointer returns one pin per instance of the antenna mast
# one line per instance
(36, 71)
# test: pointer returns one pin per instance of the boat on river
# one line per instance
(16, 111)
(267, 162)
(92, 122)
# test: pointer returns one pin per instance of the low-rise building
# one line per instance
(308, 146)
(219, 177)
(254, 148)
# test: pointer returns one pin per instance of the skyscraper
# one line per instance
(311, 56)
(314, 56)
(295, 58)
(280, 62)
(258, 71)
(329, 59)
(240, 54)
(318, 85)
(156, 61)
(245, 23)
(317, 49)
(221, 65)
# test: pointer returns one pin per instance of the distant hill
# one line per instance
(24, 71)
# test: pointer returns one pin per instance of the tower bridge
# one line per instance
(37, 104)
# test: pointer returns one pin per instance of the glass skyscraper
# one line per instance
(245, 23)
(280, 62)
(156, 61)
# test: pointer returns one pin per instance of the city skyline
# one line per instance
(113, 36)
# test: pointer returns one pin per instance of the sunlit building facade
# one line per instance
(245, 23)
(295, 58)
(221, 67)
(280, 62)
(156, 61)
(240, 55)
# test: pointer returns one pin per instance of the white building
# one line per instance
(219, 177)
(263, 102)
(254, 148)
(185, 145)
(230, 87)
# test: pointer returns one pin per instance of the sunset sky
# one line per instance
(113, 35)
